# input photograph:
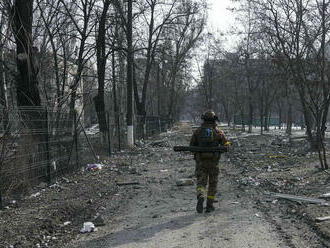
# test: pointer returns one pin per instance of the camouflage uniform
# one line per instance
(207, 167)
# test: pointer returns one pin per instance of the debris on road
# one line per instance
(159, 143)
(94, 167)
(66, 223)
(35, 195)
(299, 198)
(320, 219)
(98, 220)
(277, 156)
(88, 227)
(250, 181)
(185, 182)
(127, 183)
(326, 195)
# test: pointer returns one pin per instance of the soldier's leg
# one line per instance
(213, 174)
(201, 174)
(202, 177)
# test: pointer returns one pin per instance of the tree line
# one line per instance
(99, 56)
(279, 67)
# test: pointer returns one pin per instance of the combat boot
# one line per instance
(200, 202)
(209, 206)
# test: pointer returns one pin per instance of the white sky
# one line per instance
(219, 16)
(221, 20)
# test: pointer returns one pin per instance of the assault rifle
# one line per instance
(220, 149)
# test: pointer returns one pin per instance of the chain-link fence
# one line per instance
(37, 145)
(147, 126)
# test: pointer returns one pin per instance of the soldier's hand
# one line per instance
(227, 146)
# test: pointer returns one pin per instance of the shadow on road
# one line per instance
(141, 234)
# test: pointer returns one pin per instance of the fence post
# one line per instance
(1, 206)
(76, 138)
(145, 134)
(49, 178)
(109, 142)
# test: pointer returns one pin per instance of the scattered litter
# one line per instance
(326, 195)
(159, 143)
(250, 181)
(13, 202)
(163, 170)
(53, 185)
(258, 215)
(319, 219)
(94, 167)
(277, 156)
(274, 201)
(127, 183)
(155, 216)
(299, 198)
(66, 223)
(66, 180)
(98, 220)
(88, 227)
(234, 203)
(185, 182)
(35, 195)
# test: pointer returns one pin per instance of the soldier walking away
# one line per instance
(207, 163)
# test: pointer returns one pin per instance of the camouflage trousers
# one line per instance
(207, 172)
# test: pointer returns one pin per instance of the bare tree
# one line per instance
(101, 56)
(297, 31)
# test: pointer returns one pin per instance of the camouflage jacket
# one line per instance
(220, 138)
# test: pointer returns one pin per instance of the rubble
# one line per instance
(98, 220)
(326, 195)
(185, 182)
(320, 219)
(299, 198)
(88, 227)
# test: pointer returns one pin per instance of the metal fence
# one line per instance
(244, 120)
(147, 126)
(38, 145)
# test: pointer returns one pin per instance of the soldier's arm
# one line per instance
(193, 140)
(223, 139)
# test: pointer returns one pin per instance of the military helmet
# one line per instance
(209, 115)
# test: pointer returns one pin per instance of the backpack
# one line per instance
(207, 137)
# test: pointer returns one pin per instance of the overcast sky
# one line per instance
(219, 17)
(221, 20)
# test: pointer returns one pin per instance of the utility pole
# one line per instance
(130, 134)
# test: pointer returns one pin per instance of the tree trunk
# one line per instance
(101, 57)
(130, 62)
(115, 104)
(289, 120)
(250, 114)
(27, 83)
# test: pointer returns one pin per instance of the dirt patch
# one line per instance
(50, 216)
(269, 163)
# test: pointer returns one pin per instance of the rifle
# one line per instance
(220, 149)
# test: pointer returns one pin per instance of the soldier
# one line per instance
(207, 163)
